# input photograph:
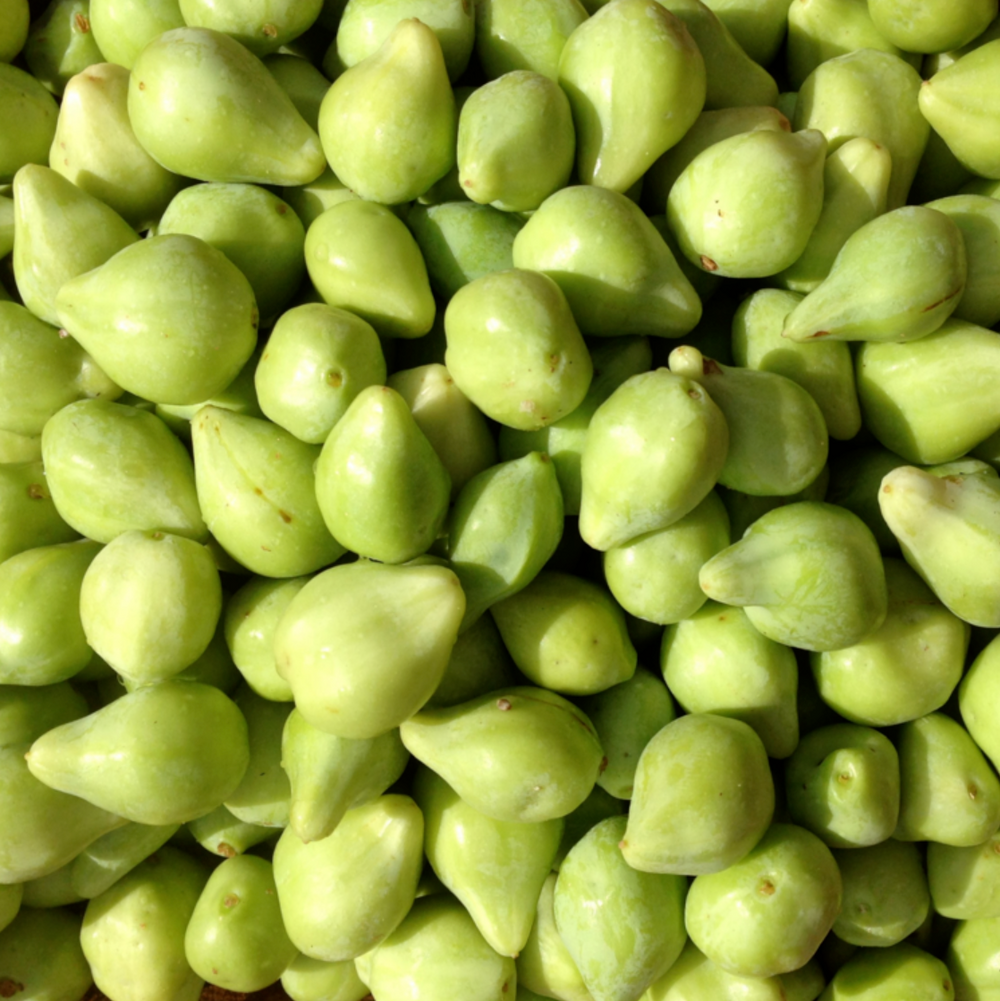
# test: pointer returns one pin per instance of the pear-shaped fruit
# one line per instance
(808, 574)
(330, 775)
(236, 938)
(261, 27)
(28, 116)
(221, 833)
(364, 645)
(317, 359)
(517, 754)
(703, 797)
(496, 868)
(113, 468)
(62, 232)
(724, 228)
(924, 252)
(759, 29)
(662, 474)
(479, 663)
(223, 214)
(872, 94)
(28, 515)
(855, 188)
(155, 900)
(767, 913)
(341, 896)
(40, 955)
(95, 147)
(777, 436)
(57, 369)
(965, 882)
(825, 369)
(381, 487)
(170, 319)
(61, 44)
(192, 756)
(122, 28)
(26, 712)
(524, 34)
(15, 29)
(515, 141)
(308, 979)
(388, 124)
(149, 604)
(624, 928)
(635, 80)
(932, 400)
(362, 258)
(978, 698)
(505, 526)
(103, 862)
(257, 493)
(842, 783)
(935, 26)
(177, 83)
(900, 970)
(618, 274)
(515, 350)
(949, 530)
(567, 634)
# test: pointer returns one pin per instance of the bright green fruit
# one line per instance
(19, 448)
(716, 662)
(61, 44)
(250, 618)
(330, 775)
(524, 34)
(28, 115)
(624, 928)
(40, 956)
(703, 797)
(566, 634)
(935, 26)
(758, 27)
(154, 903)
(308, 979)
(496, 868)
(636, 479)
(504, 527)
(808, 574)
(302, 82)
(62, 232)
(635, 80)
(316, 361)
(220, 833)
(96, 148)
(768, 913)
(626, 717)
(149, 604)
(223, 214)
(103, 862)
(170, 319)
(11, 895)
(614, 268)
(41, 829)
(778, 443)
(517, 754)
(193, 754)
(979, 698)
(900, 971)
(948, 792)
(885, 894)
(906, 668)
(515, 141)
(256, 488)
(341, 896)
(515, 350)
(965, 882)
(972, 959)
(28, 516)
(479, 663)
(382, 490)
(236, 938)
(58, 370)
(178, 82)
(15, 28)
(26, 712)
(362, 258)
(261, 27)
(42, 640)
(825, 369)
(722, 223)
(388, 124)
(122, 28)
(873, 94)
(364, 645)
(921, 249)
(598, 806)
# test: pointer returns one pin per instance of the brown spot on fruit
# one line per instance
(708, 264)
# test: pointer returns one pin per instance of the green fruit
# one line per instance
(308, 979)
(965, 881)
(178, 82)
(703, 797)
(220, 833)
(694, 976)
(979, 697)
(26, 712)
(900, 971)
(28, 516)
(103, 862)
(122, 28)
(28, 116)
(971, 959)
(261, 27)
(524, 34)
(934, 26)
(60, 44)
(40, 956)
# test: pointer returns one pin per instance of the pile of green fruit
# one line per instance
(422, 574)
